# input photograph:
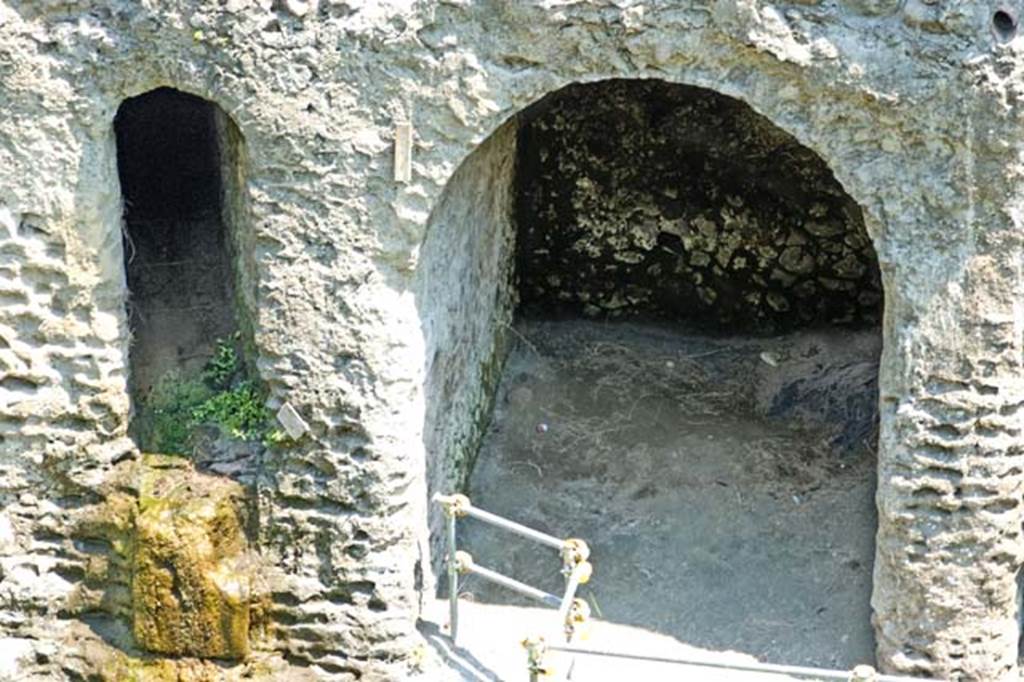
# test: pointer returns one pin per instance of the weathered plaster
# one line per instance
(913, 106)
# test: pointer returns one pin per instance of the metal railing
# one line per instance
(574, 612)
(861, 673)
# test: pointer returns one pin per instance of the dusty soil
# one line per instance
(725, 485)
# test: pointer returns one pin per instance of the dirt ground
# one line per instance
(725, 485)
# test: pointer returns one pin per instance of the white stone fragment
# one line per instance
(403, 151)
(15, 651)
(7, 536)
(301, 8)
(293, 424)
(105, 326)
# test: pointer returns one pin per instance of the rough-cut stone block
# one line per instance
(190, 586)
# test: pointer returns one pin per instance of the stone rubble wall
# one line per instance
(643, 198)
(913, 105)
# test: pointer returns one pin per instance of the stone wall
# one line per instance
(648, 198)
(466, 300)
(913, 105)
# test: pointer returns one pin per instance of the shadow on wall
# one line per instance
(647, 199)
(466, 300)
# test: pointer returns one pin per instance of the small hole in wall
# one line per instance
(1004, 23)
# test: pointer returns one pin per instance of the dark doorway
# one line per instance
(172, 160)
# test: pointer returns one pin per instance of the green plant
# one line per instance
(239, 411)
(221, 369)
(165, 420)
(220, 397)
(275, 436)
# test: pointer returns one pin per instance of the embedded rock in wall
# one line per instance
(873, 7)
(192, 581)
(168, 571)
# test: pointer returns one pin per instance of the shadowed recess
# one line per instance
(175, 165)
(640, 198)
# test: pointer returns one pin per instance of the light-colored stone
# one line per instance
(293, 423)
(16, 652)
(380, 311)
(403, 151)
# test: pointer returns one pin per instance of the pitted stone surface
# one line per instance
(914, 107)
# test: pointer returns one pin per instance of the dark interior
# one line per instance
(176, 258)
(167, 155)
(641, 198)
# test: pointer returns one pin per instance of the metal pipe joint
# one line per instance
(574, 552)
(863, 673)
(577, 615)
(463, 562)
(536, 656)
(455, 505)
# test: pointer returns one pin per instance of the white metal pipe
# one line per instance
(512, 584)
(453, 581)
(513, 527)
(798, 671)
(572, 584)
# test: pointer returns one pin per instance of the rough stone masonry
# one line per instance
(378, 310)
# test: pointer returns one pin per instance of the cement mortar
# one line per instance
(914, 107)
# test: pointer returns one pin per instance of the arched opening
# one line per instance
(182, 187)
(187, 587)
(652, 321)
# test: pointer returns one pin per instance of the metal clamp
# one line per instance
(863, 673)
(577, 615)
(574, 552)
(463, 562)
(454, 505)
(583, 572)
(536, 657)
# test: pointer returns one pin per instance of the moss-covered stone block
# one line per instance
(191, 580)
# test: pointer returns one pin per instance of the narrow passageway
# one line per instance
(176, 251)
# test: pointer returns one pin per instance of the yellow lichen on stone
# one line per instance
(191, 583)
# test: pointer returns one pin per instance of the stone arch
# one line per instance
(468, 294)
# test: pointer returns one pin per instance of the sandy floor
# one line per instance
(490, 649)
(725, 486)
